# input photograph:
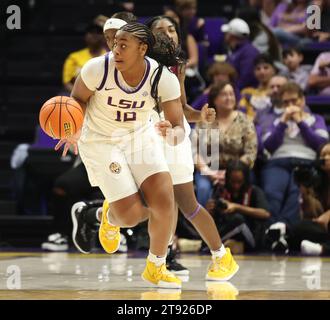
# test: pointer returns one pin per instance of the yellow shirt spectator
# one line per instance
(254, 99)
(73, 64)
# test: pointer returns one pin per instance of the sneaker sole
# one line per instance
(162, 284)
(75, 225)
(223, 279)
(54, 247)
(180, 273)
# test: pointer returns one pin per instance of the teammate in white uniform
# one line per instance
(119, 146)
(182, 169)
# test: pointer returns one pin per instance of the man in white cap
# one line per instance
(241, 51)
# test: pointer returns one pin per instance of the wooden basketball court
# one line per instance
(25, 275)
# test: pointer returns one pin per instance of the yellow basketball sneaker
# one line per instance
(109, 235)
(222, 269)
(160, 276)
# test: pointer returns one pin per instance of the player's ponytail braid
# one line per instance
(165, 51)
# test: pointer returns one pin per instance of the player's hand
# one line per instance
(208, 114)
(163, 127)
(173, 136)
(69, 142)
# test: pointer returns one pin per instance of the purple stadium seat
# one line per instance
(319, 46)
(214, 34)
(318, 100)
(42, 140)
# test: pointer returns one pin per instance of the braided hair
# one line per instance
(160, 47)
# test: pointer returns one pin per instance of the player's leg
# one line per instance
(158, 192)
(171, 262)
(224, 266)
(159, 196)
(197, 215)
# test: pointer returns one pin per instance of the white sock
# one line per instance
(158, 261)
(310, 248)
(219, 253)
(98, 214)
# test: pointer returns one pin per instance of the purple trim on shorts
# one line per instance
(194, 214)
(106, 69)
(141, 83)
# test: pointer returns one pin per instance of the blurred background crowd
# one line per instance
(257, 62)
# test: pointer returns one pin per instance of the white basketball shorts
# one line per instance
(119, 169)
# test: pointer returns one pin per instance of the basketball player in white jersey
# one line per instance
(181, 169)
(119, 146)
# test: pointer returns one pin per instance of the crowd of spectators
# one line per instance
(263, 133)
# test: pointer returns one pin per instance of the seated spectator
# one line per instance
(256, 99)
(265, 7)
(217, 72)
(242, 52)
(95, 46)
(264, 118)
(292, 139)
(30, 190)
(311, 235)
(288, 23)
(319, 78)
(232, 136)
(187, 10)
(261, 36)
(70, 187)
(296, 72)
(240, 209)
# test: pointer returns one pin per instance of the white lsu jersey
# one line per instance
(115, 109)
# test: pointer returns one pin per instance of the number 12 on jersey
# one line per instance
(125, 116)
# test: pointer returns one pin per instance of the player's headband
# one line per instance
(113, 23)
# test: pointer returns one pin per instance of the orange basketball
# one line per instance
(61, 117)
